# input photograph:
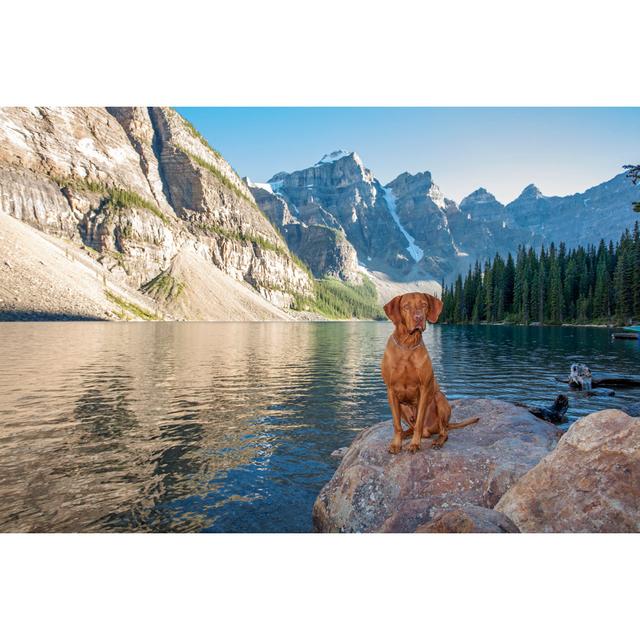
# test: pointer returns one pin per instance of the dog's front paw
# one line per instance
(395, 448)
(413, 447)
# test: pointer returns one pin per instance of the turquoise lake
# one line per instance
(229, 427)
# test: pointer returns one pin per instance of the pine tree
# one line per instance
(601, 302)
(542, 280)
(623, 280)
(508, 284)
(487, 280)
(583, 284)
(518, 284)
(457, 301)
(571, 287)
(478, 308)
(635, 277)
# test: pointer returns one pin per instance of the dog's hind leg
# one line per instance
(443, 414)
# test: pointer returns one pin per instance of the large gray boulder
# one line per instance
(373, 490)
(589, 483)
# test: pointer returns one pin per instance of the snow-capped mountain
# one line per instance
(341, 194)
(409, 229)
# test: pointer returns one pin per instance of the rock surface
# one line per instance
(373, 490)
(339, 192)
(325, 249)
(48, 278)
(589, 483)
(469, 519)
(424, 213)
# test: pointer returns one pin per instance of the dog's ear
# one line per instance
(435, 308)
(392, 309)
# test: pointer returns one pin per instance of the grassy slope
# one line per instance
(341, 300)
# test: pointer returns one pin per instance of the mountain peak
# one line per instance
(410, 181)
(328, 158)
(531, 191)
(479, 195)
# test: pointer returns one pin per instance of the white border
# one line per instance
(333, 52)
(319, 586)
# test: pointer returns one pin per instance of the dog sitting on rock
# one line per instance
(413, 393)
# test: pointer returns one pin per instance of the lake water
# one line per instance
(230, 426)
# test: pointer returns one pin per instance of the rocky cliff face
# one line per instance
(340, 193)
(140, 188)
(423, 212)
(482, 227)
(325, 249)
(603, 211)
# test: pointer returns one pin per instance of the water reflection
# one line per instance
(229, 427)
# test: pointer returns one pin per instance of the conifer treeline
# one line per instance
(593, 284)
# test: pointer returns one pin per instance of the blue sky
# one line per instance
(561, 150)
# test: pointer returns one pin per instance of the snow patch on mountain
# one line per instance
(414, 250)
(276, 185)
(265, 186)
(327, 158)
(437, 196)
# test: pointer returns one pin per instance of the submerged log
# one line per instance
(617, 382)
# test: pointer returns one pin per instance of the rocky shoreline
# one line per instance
(511, 472)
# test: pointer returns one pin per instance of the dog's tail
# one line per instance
(464, 423)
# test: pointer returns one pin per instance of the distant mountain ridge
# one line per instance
(409, 229)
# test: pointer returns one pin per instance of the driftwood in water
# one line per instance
(580, 378)
(556, 413)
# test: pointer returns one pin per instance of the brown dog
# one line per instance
(412, 389)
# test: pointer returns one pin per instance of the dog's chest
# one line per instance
(408, 376)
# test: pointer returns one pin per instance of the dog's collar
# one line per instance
(402, 346)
